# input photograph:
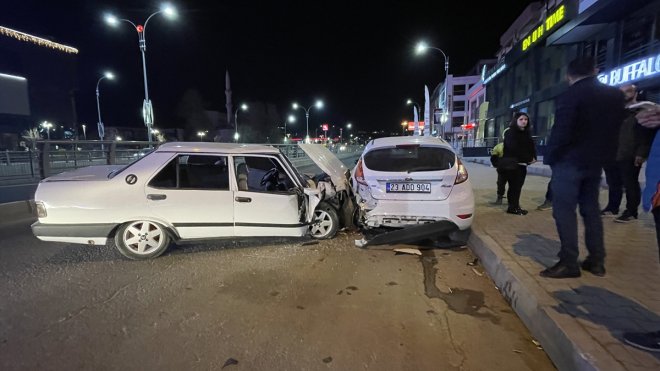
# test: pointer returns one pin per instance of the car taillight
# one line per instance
(359, 173)
(462, 174)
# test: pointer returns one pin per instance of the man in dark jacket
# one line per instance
(585, 132)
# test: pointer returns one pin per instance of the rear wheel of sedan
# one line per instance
(325, 223)
(141, 239)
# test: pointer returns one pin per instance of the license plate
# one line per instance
(408, 187)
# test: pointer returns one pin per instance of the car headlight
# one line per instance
(41, 209)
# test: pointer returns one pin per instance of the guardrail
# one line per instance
(51, 157)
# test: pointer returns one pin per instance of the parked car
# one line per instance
(415, 185)
(193, 191)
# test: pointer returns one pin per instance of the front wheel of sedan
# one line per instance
(325, 223)
(139, 240)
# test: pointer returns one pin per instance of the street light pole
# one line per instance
(147, 108)
(421, 47)
(318, 104)
(84, 127)
(244, 107)
(100, 127)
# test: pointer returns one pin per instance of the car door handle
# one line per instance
(243, 199)
(156, 197)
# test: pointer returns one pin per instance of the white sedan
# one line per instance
(415, 184)
(193, 191)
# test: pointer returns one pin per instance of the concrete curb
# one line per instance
(569, 347)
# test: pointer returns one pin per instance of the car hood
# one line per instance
(329, 163)
(89, 173)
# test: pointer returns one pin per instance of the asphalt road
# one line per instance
(267, 305)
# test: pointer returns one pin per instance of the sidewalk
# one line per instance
(579, 322)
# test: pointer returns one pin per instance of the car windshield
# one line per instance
(409, 159)
(296, 173)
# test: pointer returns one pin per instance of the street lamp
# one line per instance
(84, 131)
(318, 105)
(47, 125)
(404, 124)
(244, 107)
(290, 119)
(421, 49)
(201, 134)
(99, 125)
(414, 104)
(147, 109)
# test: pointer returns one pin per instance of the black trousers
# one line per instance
(630, 177)
(501, 183)
(516, 179)
(614, 187)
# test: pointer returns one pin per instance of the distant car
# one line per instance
(189, 192)
(407, 181)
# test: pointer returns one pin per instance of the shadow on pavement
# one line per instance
(543, 250)
(605, 308)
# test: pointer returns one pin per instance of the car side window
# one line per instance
(194, 172)
(261, 174)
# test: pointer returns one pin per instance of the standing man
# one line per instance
(634, 146)
(582, 140)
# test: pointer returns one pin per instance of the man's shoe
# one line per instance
(546, 205)
(516, 211)
(498, 201)
(609, 213)
(626, 217)
(561, 270)
(595, 267)
(643, 340)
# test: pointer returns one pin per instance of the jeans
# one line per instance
(656, 216)
(574, 185)
(614, 187)
(548, 193)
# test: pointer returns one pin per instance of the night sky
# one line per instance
(358, 56)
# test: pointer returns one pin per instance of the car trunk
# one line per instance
(410, 172)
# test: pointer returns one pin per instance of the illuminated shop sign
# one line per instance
(518, 104)
(496, 72)
(542, 30)
(633, 71)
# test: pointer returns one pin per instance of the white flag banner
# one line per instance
(427, 112)
(416, 118)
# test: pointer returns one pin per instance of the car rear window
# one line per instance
(409, 159)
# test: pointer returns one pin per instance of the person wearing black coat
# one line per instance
(519, 151)
(583, 140)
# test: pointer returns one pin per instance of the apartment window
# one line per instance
(459, 89)
(456, 121)
(459, 105)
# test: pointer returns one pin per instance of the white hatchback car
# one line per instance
(193, 191)
(408, 181)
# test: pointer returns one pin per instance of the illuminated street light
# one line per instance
(290, 119)
(318, 105)
(118, 138)
(201, 135)
(244, 107)
(84, 131)
(99, 125)
(421, 48)
(404, 125)
(147, 109)
(47, 125)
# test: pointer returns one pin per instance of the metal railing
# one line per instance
(49, 157)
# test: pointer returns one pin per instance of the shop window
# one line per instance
(545, 118)
(636, 40)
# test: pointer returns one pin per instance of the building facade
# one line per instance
(622, 35)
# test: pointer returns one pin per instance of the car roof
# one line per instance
(213, 147)
(399, 140)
